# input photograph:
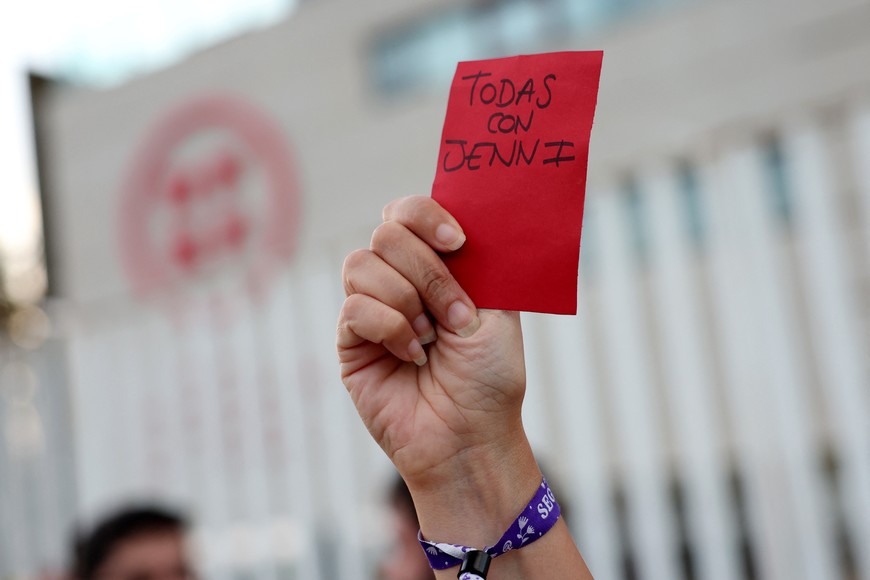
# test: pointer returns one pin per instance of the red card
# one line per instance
(512, 170)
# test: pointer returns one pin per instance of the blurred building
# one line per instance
(706, 411)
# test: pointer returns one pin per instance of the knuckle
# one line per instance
(394, 324)
(386, 236)
(419, 211)
(389, 210)
(435, 281)
(352, 306)
(354, 262)
(422, 218)
(356, 259)
(342, 327)
(407, 297)
(396, 208)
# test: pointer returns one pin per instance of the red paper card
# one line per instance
(512, 170)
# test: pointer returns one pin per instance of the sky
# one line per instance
(93, 42)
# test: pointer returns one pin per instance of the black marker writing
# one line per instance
(549, 92)
(476, 78)
(470, 158)
(503, 92)
(504, 123)
(558, 157)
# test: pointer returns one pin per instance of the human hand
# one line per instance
(464, 398)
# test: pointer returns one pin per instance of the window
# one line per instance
(637, 221)
(777, 182)
(423, 52)
(690, 197)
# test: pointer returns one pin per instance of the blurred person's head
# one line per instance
(406, 560)
(134, 543)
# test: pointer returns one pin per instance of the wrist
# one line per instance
(471, 499)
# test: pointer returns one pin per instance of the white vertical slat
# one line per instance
(111, 390)
(284, 332)
(8, 542)
(788, 380)
(742, 355)
(275, 451)
(109, 395)
(237, 366)
(21, 552)
(860, 134)
(231, 392)
(214, 494)
(249, 365)
(580, 411)
(198, 415)
(149, 383)
(139, 381)
(88, 417)
(47, 477)
(129, 370)
(639, 434)
(321, 300)
(18, 528)
(185, 364)
(167, 386)
(276, 524)
(690, 384)
(835, 326)
(810, 551)
(537, 420)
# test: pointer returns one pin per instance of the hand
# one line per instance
(450, 418)
(462, 397)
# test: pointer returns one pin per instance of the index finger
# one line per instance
(428, 220)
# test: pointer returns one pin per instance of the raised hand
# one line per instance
(426, 409)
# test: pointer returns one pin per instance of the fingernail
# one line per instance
(424, 329)
(462, 319)
(416, 352)
(448, 235)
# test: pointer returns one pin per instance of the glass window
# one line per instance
(520, 25)
(690, 197)
(636, 213)
(425, 52)
(588, 240)
(777, 182)
(582, 16)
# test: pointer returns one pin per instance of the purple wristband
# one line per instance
(534, 521)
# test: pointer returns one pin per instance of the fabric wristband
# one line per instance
(535, 520)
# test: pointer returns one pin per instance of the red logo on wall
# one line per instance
(211, 196)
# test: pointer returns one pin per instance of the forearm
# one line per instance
(480, 496)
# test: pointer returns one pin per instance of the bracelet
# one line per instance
(535, 520)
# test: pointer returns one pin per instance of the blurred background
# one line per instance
(181, 181)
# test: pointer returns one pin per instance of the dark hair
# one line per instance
(92, 549)
(400, 497)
